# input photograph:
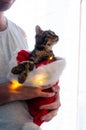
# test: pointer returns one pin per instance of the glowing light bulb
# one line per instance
(15, 85)
(51, 57)
(39, 80)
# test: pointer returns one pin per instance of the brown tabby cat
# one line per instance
(42, 51)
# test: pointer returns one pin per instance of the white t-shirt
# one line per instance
(10, 39)
(14, 115)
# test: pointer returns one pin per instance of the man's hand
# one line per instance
(53, 107)
(9, 94)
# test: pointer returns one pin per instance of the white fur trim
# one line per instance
(43, 75)
(30, 126)
(46, 74)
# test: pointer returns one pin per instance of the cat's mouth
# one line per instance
(48, 46)
(51, 42)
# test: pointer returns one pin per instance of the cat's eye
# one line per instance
(51, 33)
(49, 44)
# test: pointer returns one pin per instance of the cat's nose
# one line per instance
(57, 38)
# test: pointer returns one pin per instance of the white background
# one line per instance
(67, 18)
(82, 72)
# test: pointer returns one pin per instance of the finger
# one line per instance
(46, 87)
(51, 106)
(46, 94)
(49, 116)
(56, 89)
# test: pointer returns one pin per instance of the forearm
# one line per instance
(6, 95)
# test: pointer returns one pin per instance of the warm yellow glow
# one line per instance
(15, 85)
(51, 57)
(39, 80)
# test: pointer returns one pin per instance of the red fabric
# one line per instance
(22, 56)
(34, 104)
(44, 63)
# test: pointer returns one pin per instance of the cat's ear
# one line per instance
(38, 29)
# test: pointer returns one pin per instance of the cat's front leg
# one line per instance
(28, 67)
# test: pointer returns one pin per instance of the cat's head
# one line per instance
(45, 39)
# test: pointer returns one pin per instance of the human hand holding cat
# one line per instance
(25, 93)
(10, 93)
(53, 107)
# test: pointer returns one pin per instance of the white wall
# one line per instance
(63, 17)
(82, 73)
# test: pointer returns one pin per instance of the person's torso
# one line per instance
(10, 39)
